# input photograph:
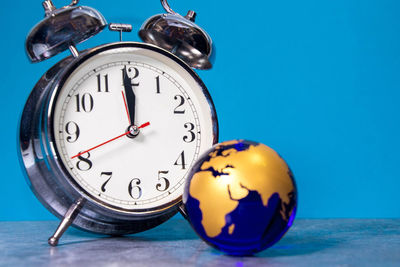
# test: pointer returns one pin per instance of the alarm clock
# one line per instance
(108, 135)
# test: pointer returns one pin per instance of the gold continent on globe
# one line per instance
(241, 190)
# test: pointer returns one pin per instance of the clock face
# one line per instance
(128, 124)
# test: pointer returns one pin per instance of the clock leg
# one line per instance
(66, 222)
(182, 210)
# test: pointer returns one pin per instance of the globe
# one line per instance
(240, 197)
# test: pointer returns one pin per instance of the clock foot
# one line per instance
(182, 210)
(66, 222)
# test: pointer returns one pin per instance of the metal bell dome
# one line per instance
(62, 28)
(180, 36)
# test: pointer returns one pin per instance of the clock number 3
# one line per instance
(134, 189)
(189, 138)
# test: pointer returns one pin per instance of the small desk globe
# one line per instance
(240, 197)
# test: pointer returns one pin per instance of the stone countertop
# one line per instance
(322, 242)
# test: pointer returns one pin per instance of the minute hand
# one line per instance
(130, 96)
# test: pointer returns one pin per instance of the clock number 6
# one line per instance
(159, 186)
(134, 190)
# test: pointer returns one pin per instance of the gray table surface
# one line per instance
(337, 242)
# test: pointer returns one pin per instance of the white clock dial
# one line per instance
(94, 110)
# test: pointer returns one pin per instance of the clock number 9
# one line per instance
(159, 186)
(72, 129)
(189, 139)
(134, 190)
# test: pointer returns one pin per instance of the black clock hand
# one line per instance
(130, 96)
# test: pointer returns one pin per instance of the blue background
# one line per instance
(318, 81)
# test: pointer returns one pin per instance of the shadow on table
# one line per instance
(167, 232)
(98, 240)
(289, 246)
(179, 247)
(295, 245)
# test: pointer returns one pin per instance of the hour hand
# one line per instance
(130, 96)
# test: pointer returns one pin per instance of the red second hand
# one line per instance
(144, 125)
(106, 142)
(126, 108)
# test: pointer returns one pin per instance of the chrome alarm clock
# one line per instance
(108, 135)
